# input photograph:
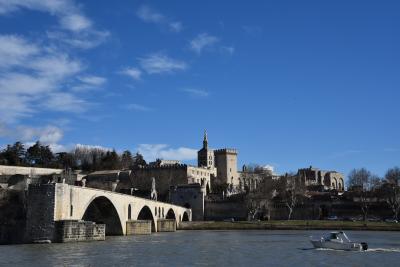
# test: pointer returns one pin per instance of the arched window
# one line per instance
(155, 210)
(159, 212)
(129, 212)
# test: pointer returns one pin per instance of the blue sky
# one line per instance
(288, 83)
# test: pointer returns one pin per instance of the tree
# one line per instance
(126, 160)
(138, 160)
(291, 190)
(362, 183)
(392, 190)
(110, 161)
(39, 155)
(15, 154)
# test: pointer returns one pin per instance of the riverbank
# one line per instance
(290, 225)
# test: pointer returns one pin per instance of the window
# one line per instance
(155, 211)
(129, 212)
(71, 212)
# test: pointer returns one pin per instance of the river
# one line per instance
(208, 248)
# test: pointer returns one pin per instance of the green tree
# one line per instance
(15, 154)
(40, 155)
(127, 160)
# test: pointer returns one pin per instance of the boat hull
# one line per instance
(351, 246)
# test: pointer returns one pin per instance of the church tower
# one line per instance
(205, 156)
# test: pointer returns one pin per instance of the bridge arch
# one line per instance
(101, 210)
(171, 214)
(146, 214)
(185, 217)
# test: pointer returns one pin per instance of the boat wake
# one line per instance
(368, 250)
(383, 250)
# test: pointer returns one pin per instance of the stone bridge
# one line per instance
(49, 203)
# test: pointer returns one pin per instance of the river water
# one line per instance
(208, 248)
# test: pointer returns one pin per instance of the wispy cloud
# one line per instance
(82, 40)
(41, 76)
(228, 49)
(132, 72)
(138, 107)
(160, 63)
(150, 15)
(49, 135)
(69, 14)
(391, 149)
(196, 92)
(252, 29)
(203, 41)
(93, 80)
(153, 151)
(35, 76)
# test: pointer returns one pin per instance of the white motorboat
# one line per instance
(339, 241)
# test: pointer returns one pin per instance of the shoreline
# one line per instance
(289, 225)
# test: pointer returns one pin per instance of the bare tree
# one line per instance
(392, 190)
(292, 191)
(362, 182)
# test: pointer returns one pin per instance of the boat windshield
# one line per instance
(333, 236)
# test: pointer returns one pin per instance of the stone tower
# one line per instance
(226, 163)
(205, 156)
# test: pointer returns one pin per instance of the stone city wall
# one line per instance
(12, 170)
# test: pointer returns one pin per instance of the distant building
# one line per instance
(328, 180)
(172, 175)
(111, 180)
(164, 162)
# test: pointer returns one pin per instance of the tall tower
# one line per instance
(205, 156)
(226, 163)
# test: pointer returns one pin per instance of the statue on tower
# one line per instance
(153, 194)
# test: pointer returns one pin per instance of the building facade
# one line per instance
(329, 180)
(226, 164)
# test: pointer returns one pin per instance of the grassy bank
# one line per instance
(290, 225)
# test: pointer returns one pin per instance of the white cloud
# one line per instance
(75, 22)
(176, 26)
(153, 151)
(33, 80)
(269, 168)
(161, 63)
(252, 29)
(65, 102)
(150, 15)
(14, 50)
(202, 41)
(196, 92)
(134, 73)
(48, 135)
(228, 49)
(69, 14)
(81, 40)
(93, 80)
(138, 107)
